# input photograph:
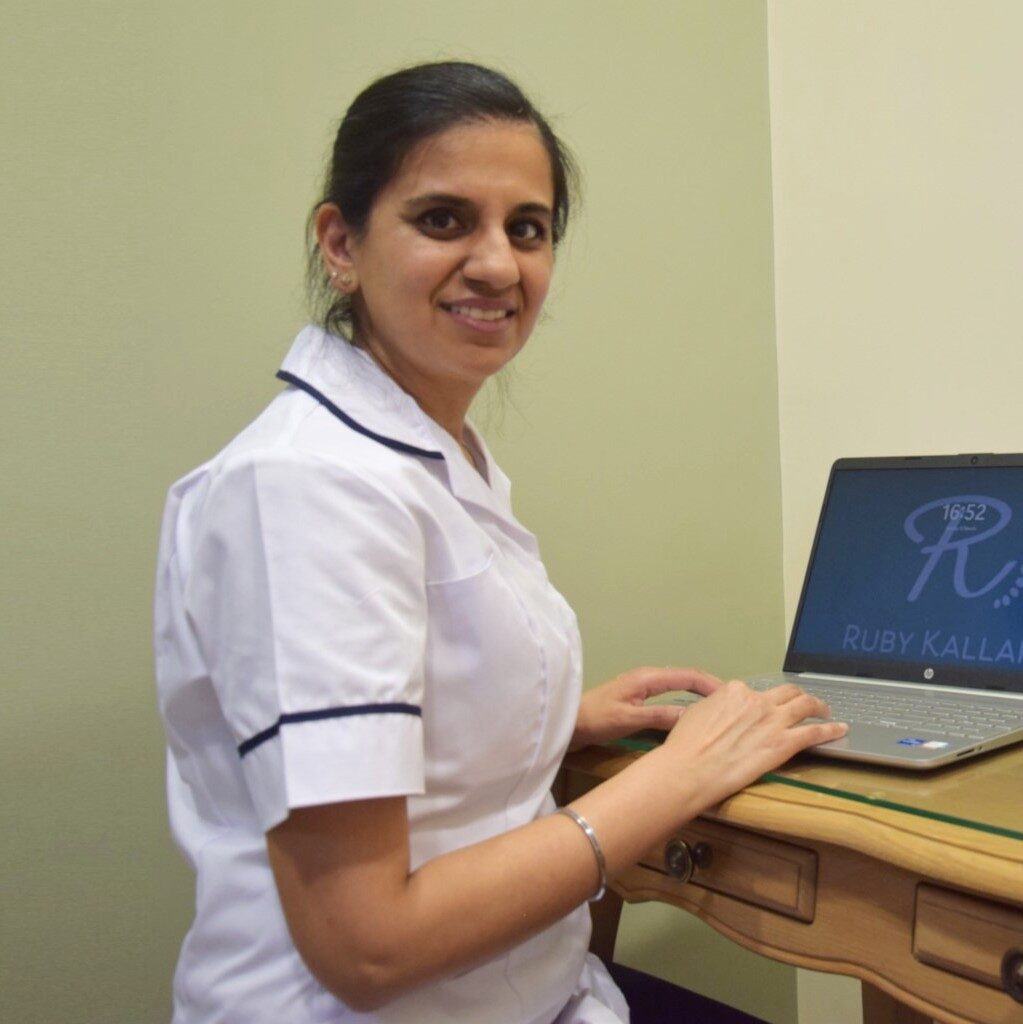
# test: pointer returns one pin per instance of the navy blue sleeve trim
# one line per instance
(390, 442)
(314, 716)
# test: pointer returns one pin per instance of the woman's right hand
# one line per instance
(371, 928)
(736, 734)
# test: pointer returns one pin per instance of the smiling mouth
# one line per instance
(476, 313)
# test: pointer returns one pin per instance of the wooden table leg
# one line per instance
(605, 914)
(881, 1008)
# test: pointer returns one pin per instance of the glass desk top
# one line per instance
(985, 793)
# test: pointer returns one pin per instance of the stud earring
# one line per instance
(346, 280)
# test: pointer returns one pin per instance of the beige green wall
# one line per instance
(898, 223)
(158, 162)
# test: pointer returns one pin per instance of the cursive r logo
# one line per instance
(958, 545)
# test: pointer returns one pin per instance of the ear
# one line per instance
(336, 240)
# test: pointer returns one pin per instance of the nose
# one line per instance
(492, 260)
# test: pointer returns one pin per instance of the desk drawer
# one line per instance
(748, 866)
(963, 934)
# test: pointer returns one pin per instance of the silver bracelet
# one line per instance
(598, 850)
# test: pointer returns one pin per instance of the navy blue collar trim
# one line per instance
(315, 716)
(390, 442)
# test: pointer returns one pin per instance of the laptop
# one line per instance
(910, 623)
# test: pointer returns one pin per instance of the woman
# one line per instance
(367, 680)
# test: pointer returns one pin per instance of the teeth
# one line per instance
(480, 314)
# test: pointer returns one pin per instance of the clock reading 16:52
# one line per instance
(969, 511)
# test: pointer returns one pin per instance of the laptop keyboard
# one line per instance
(979, 720)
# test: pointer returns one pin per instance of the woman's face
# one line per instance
(453, 266)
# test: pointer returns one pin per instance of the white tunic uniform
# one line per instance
(345, 609)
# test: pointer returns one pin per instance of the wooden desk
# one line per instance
(867, 883)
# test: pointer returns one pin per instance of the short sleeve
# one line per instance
(307, 595)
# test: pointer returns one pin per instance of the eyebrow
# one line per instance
(542, 209)
(460, 202)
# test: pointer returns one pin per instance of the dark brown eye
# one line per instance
(440, 221)
(527, 230)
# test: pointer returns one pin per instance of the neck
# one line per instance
(446, 402)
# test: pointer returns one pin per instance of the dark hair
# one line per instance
(386, 121)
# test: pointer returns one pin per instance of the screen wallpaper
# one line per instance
(919, 565)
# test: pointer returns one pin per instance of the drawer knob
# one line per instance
(681, 859)
(1012, 974)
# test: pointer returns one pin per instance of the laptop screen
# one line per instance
(917, 573)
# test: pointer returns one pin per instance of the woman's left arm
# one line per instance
(618, 707)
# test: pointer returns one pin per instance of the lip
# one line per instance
(453, 309)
